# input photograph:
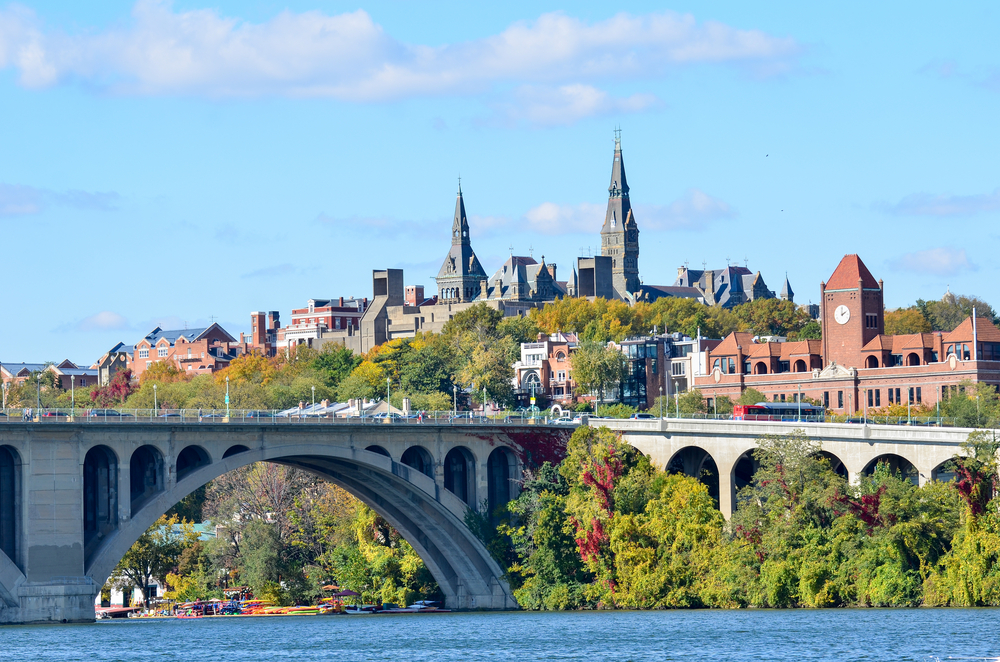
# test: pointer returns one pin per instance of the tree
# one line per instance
(366, 381)
(163, 372)
(597, 368)
(772, 317)
(117, 391)
(751, 396)
(335, 363)
(952, 310)
(904, 321)
(250, 368)
(153, 555)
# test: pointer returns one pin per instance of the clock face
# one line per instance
(842, 314)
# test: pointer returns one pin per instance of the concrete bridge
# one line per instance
(75, 496)
(721, 452)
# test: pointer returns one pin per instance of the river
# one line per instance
(833, 634)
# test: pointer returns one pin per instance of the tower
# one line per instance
(620, 234)
(852, 312)
(461, 274)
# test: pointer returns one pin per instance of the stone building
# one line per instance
(461, 276)
(620, 233)
(727, 287)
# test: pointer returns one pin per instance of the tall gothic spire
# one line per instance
(619, 186)
(620, 233)
(460, 227)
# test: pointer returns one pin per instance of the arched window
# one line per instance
(871, 362)
(715, 365)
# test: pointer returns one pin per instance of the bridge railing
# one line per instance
(266, 417)
(933, 421)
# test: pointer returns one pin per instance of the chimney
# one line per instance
(341, 304)
(552, 270)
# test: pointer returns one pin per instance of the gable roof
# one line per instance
(848, 272)
(743, 339)
(189, 335)
(986, 331)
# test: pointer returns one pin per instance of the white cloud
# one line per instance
(19, 200)
(938, 261)
(348, 56)
(695, 210)
(103, 321)
(568, 104)
(925, 204)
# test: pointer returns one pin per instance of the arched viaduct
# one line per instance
(75, 496)
(724, 448)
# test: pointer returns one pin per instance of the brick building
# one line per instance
(856, 366)
(194, 351)
(544, 369)
(319, 315)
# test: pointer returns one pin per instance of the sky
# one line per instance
(176, 163)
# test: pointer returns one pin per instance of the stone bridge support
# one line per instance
(83, 493)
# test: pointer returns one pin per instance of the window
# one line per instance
(715, 365)
(891, 401)
(144, 353)
(871, 321)
(561, 376)
(783, 366)
(909, 395)
(895, 359)
(965, 352)
(871, 398)
(677, 368)
(775, 397)
(951, 350)
(336, 322)
(782, 397)
(189, 352)
(746, 367)
(83, 381)
(826, 399)
(162, 351)
(919, 398)
(732, 366)
(560, 356)
(148, 363)
(878, 397)
(840, 399)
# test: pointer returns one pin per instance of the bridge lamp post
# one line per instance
(72, 394)
(38, 394)
(6, 386)
(677, 400)
(661, 402)
(799, 398)
(314, 397)
(227, 397)
(155, 407)
(454, 398)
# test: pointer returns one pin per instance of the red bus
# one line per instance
(778, 411)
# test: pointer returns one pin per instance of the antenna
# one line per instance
(511, 248)
(212, 318)
(460, 184)
(531, 251)
(618, 135)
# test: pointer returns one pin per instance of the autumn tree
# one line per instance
(153, 555)
(904, 321)
(597, 368)
(117, 391)
(772, 317)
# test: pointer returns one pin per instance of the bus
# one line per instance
(778, 411)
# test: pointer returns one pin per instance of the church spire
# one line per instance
(619, 186)
(620, 233)
(460, 226)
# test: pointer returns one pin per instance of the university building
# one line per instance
(856, 366)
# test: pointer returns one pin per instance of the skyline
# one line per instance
(262, 162)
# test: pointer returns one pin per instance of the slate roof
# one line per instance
(190, 335)
(17, 369)
(786, 290)
(847, 274)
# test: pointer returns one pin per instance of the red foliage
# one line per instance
(592, 540)
(116, 392)
(601, 476)
(975, 487)
(754, 537)
(782, 483)
(866, 509)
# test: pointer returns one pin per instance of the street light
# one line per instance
(155, 405)
(72, 394)
(314, 397)
(661, 402)
(38, 395)
(227, 397)
(388, 381)
(454, 398)
(677, 401)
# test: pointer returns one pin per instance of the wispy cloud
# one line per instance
(105, 320)
(565, 105)
(19, 200)
(695, 210)
(943, 261)
(926, 204)
(348, 56)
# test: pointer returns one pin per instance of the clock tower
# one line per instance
(620, 234)
(852, 312)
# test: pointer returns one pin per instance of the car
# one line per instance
(169, 414)
(258, 414)
(564, 420)
(641, 416)
(107, 414)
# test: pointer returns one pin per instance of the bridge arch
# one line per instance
(696, 462)
(100, 496)
(836, 464)
(146, 475)
(190, 459)
(502, 478)
(431, 520)
(375, 448)
(460, 474)
(896, 463)
(944, 472)
(233, 450)
(420, 459)
(10, 502)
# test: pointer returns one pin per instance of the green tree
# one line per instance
(335, 363)
(904, 321)
(751, 396)
(153, 555)
(597, 368)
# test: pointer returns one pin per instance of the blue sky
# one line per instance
(172, 163)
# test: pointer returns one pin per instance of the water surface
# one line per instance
(845, 634)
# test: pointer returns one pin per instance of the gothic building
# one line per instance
(461, 275)
(620, 234)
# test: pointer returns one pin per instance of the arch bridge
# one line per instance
(720, 453)
(75, 496)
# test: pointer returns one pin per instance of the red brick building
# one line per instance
(856, 366)
(194, 351)
(319, 315)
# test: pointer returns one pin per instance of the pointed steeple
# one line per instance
(619, 186)
(620, 233)
(786, 291)
(460, 226)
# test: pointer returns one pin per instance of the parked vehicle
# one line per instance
(641, 416)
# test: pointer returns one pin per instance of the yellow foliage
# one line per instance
(252, 368)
